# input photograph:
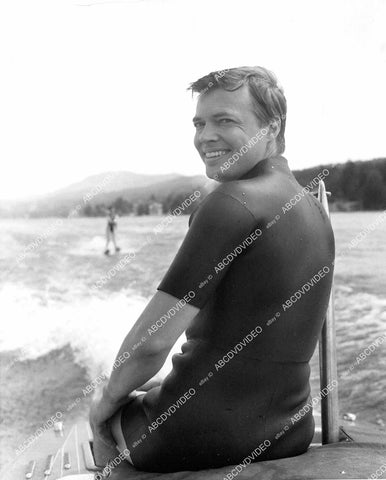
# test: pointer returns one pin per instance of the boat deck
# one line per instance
(361, 451)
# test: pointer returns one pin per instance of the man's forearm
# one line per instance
(133, 372)
(146, 360)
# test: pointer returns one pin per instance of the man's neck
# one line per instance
(266, 165)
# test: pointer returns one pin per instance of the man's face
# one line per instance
(225, 122)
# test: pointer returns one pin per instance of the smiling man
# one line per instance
(228, 130)
(242, 377)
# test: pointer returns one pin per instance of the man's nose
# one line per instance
(208, 133)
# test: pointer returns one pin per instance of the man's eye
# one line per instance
(225, 120)
(198, 124)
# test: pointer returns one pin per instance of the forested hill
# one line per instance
(359, 185)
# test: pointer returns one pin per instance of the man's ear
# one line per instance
(274, 127)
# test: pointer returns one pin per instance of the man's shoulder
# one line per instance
(239, 188)
(251, 194)
(230, 203)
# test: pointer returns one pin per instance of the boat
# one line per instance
(341, 448)
(67, 454)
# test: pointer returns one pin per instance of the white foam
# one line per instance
(93, 246)
(94, 327)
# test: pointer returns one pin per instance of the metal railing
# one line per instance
(328, 359)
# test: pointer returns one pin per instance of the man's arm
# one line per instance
(146, 360)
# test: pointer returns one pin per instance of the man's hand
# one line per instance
(100, 413)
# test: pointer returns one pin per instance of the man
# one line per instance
(110, 230)
(237, 286)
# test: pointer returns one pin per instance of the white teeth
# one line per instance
(215, 154)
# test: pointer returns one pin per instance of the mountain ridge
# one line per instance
(363, 183)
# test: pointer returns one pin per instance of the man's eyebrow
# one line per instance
(218, 114)
(224, 112)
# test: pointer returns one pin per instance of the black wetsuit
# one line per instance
(111, 223)
(245, 364)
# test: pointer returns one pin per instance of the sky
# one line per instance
(91, 86)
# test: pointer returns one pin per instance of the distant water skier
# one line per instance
(110, 230)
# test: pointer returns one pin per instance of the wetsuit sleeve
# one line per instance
(219, 225)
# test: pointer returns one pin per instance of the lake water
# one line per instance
(57, 332)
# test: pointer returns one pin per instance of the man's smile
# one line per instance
(212, 156)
